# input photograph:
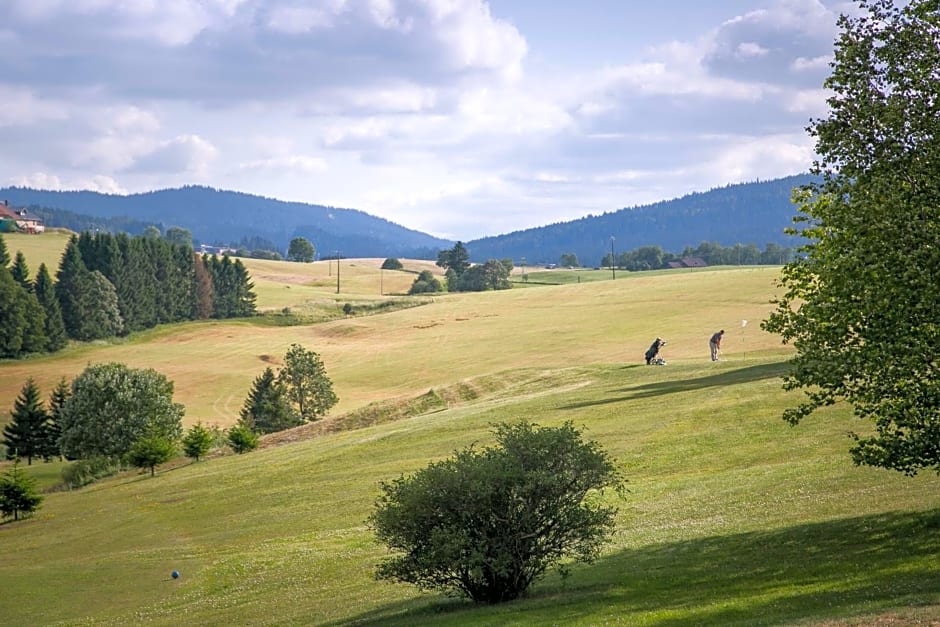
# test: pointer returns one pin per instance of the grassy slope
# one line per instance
(733, 517)
(461, 335)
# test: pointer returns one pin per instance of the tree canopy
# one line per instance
(300, 249)
(112, 406)
(306, 383)
(26, 436)
(488, 522)
(861, 299)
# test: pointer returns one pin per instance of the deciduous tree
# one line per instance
(150, 452)
(306, 383)
(300, 249)
(112, 406)
(486, 523)
(861, 300)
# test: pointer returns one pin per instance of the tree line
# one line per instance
(712, 253)
(111, 285)
(111, 416)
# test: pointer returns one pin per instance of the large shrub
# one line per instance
(112, 406)
(487, 523)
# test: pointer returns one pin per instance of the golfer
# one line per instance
(715, 344)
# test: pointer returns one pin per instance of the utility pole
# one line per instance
(613, 260)
(337, 272)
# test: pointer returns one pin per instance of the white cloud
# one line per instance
(426, 112)
(184, 154)
(292, 164)
(751, 49)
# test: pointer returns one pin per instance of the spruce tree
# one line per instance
(44, 288)
(244, 297)
(13, 321)
(4, 255)
(267, 409)
(18, 493)
(20, 271)
(34, 334)
(25, 436)
(60, 394)
(72, 281)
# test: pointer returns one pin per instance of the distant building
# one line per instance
(25, 221)
(688, 262)
(694, 262)
(205, 249)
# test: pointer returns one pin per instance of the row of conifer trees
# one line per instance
(113, 284)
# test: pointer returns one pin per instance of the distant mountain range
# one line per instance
(747, 213)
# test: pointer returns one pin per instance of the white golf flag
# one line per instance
(744, 323)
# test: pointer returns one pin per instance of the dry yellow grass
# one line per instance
(404, 353)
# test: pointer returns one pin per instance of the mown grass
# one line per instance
(733, 517)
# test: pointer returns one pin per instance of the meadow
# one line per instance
(733, 517)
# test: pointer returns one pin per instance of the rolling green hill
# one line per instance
(732, 517)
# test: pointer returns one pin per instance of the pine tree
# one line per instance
(267, 409)
(44, 288)
(72, 281)
(245, 297)
(13, 321)
(26, 435)
(34, 334)
(18, 493)
(4, 255)
(197, 441)
(20, 270)
(60, 394)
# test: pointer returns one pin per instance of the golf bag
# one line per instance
(652, 353)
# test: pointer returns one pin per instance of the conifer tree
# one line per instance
(267, 409)
(72, 281)
(13, 321)
(18, 493)
(20, 271)
(4, 255)
(26, 436)
(34, 334)
(244, 298)
(60, 394)
(44, 288)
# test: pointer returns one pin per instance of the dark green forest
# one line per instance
(746, 214)
(111, 285)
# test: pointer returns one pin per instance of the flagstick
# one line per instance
(744, 326)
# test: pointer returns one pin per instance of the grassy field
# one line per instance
(732, 518)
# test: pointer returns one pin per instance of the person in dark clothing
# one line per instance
(714, 344)
(653, 350)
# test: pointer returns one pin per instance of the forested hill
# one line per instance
(748, 213)
(225, 217)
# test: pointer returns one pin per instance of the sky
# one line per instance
(457, 118)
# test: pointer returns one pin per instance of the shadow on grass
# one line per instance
(806, 573)
(747, 374)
